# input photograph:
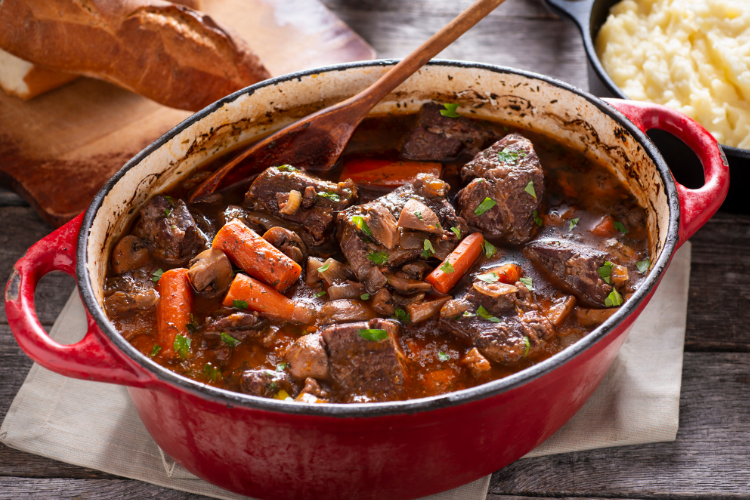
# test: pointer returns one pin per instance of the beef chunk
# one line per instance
(239, 325)
(503, 173)
(129, 293)
(169, 231)
(367, 370)
(573, 267)
(497, 298)
(266, 383)
(315, 213)
(307, 357)
(436, 137)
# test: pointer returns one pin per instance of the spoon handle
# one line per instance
(429, 49)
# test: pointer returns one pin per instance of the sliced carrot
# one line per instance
(257, 257)
(173, 310)
(386, 173)
(508, 273)
(444, 277)
(605, 227)
(248, 293)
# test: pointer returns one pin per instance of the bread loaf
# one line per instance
(166, 52)
(26, 80)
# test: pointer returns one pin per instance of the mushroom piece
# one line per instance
(312, 276)
(211, 273)
(346, 290)
(454, 308)
(129, 253)
(333, 272)
(407, 285)
(307, 357)
(593, 317)
(422, 311)
(418, 216)
(382, 225)
(561, 309)
(288, 242)
(345, 310)
(382, 302)
(494, 290)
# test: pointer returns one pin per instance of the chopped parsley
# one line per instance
(321, 293)
(614, 299)
(528, 283)
(211, 372)
(486, 205)
(443, 357)
(239, 304)
(286, 168)
(450, 110)
(359, 221)
(373, 334)
(489, 249)
(643, 265)
(402, 316)
(155, 350)
(456, 231)
(378, 258)
(428, 250)
(280, 367)
(365, 296)
(418, 214)
(527, 345)
(621, 227)
(508, 156)
(447, 267)
(605, 271)
(573, 223)
(331, 196)
(157, 275)
(229, 340)
(324, 267)
(538, 220)
(167, 211)
(181, 345)
(489, 277)
(530, 189)
(485, 314)
(169, 199)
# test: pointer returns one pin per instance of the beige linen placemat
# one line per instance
(95, 425)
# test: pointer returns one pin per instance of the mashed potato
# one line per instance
(690, 55)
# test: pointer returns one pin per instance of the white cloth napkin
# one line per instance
(95, 425)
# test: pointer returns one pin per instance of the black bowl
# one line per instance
(589, 15)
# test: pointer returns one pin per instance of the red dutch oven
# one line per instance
(274, 449)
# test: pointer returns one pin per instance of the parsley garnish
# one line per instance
(280, 367)
(359, 221)
(621, 227)
(331, 196)
(169, 199)
(450, 110)
(538, 220)
(324, 267)
(527, 345)
(530, 189)
(643, 265)
(320, 294)
(605, 271)
(418, 214)
(487, 204)
(365, 296)
(378, 258)
(489, 277)
(155, 350)
(373, 334)
(447, 267)
(181, 345)
(528, 283)
(614, 299)
(157, 275)
(485, 314)
(402, 316)
(456, 231)
(443, 357)
(428, 250)
(239, 304)
(211, 372)
(229, 340)
(573, 223)
(167, 211)
(489, 249)
(508, 156)
(286, 168)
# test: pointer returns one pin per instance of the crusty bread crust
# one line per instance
(166, 52)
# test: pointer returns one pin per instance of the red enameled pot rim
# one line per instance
(360, 410)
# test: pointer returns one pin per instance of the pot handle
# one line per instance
(93, 357)
(696, 205)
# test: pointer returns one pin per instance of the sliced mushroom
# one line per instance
(410, 240)
(382, 225)
(593, 317)
(309, 197)
(404, 300)
(407, 285)
(476, 362)
(346, 290)
(288, 242)
(289, 202)
(344, 311)
(211, 272)
(312, 276)
(307, 357)
(121, 303)
(422, 311)
(494, 290)
(129, 253)
(561, 309)
(333, 271)
(375, 280)
(418, 216)
(382, 302)
(454, 308)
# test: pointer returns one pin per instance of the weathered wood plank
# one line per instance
(15, 463)
(709, 458)
(511, 8)
(84, 489)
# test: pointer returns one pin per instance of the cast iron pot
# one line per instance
(589, 16)
(273, 449)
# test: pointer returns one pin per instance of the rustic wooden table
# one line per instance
(711, 457)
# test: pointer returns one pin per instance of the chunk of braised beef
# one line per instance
(266, 383)
(501, 343)
(315, 215)
(497, 298)
(169, 231)
(307, 357)
(239, 325)
(130, 292)
(509, 174)
(416, 270)
(573, 267)
(436, 137)
(365, 370)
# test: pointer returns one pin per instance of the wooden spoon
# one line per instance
(316, 141)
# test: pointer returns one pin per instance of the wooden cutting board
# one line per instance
(58, 149)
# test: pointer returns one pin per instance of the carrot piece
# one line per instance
(460, 260)
(508, 273)
(605, 227)
(256, 256)
(173, 310)
(386, 173)
(248, 293)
